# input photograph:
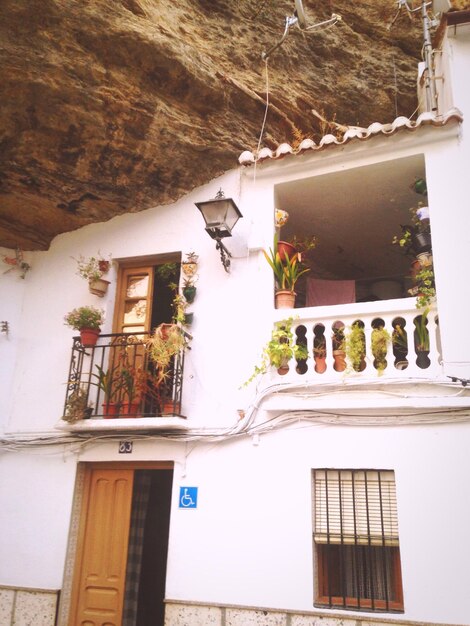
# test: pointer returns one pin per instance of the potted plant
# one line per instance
(163, 345)
(379, 341)
(92, 270)
(77, 406)
(286, 272)
(355, 346)
(108, 382)
(87, 320)
(339, 345)
(132, 383)
(189, 290)
(415, 238)
(281, 218)
(189, 266)
(279, 350)
(319, 354)
(425, 287)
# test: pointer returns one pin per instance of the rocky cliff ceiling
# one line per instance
(114, 106)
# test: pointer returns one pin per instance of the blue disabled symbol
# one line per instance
(188, 497)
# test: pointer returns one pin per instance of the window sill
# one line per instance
(351, 604)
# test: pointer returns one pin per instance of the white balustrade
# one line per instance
(415, 364)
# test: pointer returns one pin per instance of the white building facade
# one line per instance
(339, 496)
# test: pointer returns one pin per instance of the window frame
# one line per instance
(324, 553)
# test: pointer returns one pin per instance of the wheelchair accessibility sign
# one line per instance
(188, 498)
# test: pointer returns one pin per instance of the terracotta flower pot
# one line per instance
(340, 360)
(110, 409)
(130, 409)
(285, 299)
(89, 337)
(320, 364)
(283, 247)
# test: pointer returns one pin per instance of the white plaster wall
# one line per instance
(250, 540)
(36, 490)
(12, 288)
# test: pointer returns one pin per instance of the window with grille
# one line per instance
(356, 543)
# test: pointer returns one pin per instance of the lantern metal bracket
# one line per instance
(225, 255)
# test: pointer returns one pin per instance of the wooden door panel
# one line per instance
(100, 583)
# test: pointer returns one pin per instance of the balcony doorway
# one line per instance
(354, 215)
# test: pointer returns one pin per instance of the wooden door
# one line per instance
(134, 300)
(98, 593)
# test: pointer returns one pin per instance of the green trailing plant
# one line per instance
(380, 340)
(167, 271)
(165, 343)
(426, 288)
(279, 350)
(355, 346)
(85, 317)
(287, 271)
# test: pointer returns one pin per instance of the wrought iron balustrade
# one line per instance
(116, 378)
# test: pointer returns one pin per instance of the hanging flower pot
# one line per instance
(98, 286)
(421, 242)
(280, 217)
(189, 266)
(285, 299)
(284, 247)
(189, 292)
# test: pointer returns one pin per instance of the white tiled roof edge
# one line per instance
(353, 132)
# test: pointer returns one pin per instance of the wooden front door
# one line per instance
(106, 523)
(101, 567)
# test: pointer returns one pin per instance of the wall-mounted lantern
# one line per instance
(220, 214)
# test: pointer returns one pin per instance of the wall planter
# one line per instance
(189, 266)
(98, 286)
(189, 292)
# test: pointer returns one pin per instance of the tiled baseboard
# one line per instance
(23, 607)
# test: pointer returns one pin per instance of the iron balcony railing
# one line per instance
(116, 378)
